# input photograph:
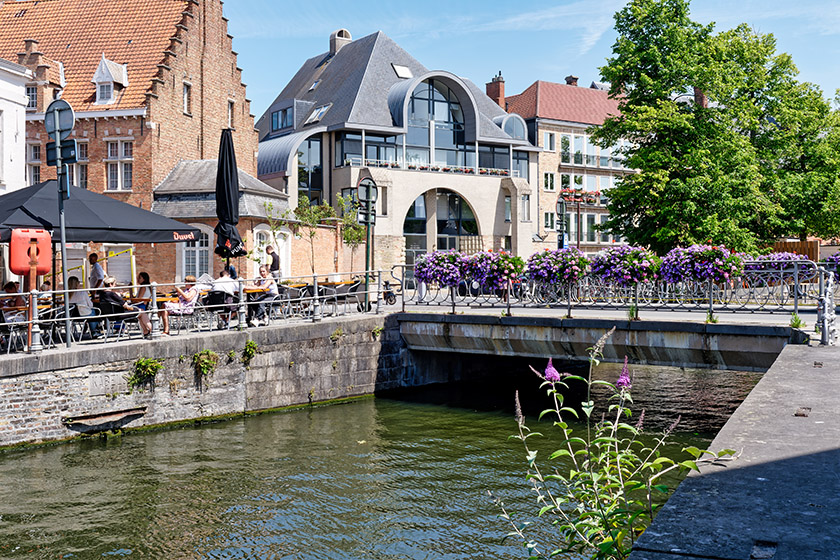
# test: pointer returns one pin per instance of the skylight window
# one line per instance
(314, 85)
(402, 71)
(318, 114)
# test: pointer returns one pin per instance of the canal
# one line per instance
(399, 476)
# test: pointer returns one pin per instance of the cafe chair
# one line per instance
(11, 335)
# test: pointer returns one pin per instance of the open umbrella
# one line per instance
(228, 242)
(88, 217)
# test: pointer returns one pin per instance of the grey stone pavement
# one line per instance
(780, 498)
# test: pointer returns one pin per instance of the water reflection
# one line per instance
(374, 479)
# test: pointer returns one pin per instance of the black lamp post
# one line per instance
(561, 225)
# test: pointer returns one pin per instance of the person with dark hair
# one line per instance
(257, 300)
(108, 295)
(144, 290)
(231, 270)
(97, 275)
(274, 265)
(16, 300)
(187, 297)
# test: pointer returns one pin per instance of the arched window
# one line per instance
(195, 255)
(436, 118)
(515, 128)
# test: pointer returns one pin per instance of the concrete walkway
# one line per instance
(780, 499)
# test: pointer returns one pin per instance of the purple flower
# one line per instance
(551, 374)
(623, 381)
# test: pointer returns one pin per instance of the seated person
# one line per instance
(84, 307)
(257, 301)
(108, 295)
(15, 300)
(223, 296)
(144, 290)
(185, 304)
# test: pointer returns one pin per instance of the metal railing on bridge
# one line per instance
(778, 287)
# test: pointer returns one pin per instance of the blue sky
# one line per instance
(527, 40)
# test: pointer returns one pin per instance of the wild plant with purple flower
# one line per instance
(601, 499)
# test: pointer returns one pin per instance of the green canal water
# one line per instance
(380, 479)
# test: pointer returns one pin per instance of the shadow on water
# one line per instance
(401, 476)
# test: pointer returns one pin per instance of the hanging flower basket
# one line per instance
(701, 263)
(625, 265)
(444, 268)
(560, 266)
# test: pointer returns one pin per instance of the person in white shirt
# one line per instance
(97, 275)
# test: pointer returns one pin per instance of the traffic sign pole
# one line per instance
(59, 120)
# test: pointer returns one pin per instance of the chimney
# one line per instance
(700, 98)
(338, 39)
(495, 90)
(571, 80)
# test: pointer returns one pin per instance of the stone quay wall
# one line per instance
(62, 393)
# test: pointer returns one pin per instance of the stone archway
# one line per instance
(440, 219)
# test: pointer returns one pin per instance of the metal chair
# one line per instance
(11, 334)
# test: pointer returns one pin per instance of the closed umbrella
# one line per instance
(228, 242)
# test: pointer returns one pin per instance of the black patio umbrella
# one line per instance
(228, 242)
(88, 217)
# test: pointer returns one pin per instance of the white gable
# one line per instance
(110, 72)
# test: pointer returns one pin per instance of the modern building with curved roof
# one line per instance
(453, 169)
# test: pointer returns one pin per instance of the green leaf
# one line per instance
(695, 452)
(559, 453)
(587, 407)
(689, 465)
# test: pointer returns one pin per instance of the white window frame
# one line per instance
(549, 182)
(31, 98)
(231, 109)
(119, 164)
(549, 221)
(100, 90)
(33, 163)
(549, 142)
(181, 261)
(525, 208)
(318, 114)
(187, 98)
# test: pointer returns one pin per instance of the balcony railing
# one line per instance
(356, 161)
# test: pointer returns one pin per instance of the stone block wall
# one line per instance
(297, 364)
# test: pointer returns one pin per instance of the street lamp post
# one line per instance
(576, 196)
(561, 219)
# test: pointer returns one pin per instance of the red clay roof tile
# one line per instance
(77, 32)
(549, 100)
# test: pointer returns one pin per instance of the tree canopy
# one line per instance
(728, 144)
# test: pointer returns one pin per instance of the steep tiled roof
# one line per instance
(563, 102)
(77, 33)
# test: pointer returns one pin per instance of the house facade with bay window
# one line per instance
(453, 170)
(559, 117)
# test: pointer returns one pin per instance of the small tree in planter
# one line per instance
(627, 267)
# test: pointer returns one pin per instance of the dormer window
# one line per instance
(318, 114)
(105, 93)
(108, 78)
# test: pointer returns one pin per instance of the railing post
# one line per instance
(35, 345)
(403, 284)
(507, 296)
(636, 301)
(243, 308)
(569, 301)
(796, 287)
(711, 300)
(452, 296)
(316, 305)
(378, 289)
(153, 311)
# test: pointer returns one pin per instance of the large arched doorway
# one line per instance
(454, 223)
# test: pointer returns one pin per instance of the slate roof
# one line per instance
(355, 82)
(562, 102)
(189, 191)
(77, 33)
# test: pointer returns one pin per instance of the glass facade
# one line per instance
(310, 171)
(520, 164)
(435, 117)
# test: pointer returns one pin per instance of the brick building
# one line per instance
(558, 118)
(152, 83)
(454, 170)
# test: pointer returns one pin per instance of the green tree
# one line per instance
(352, 232)
(303, 221)
(752, 163)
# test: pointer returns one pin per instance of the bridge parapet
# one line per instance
(696, 345)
